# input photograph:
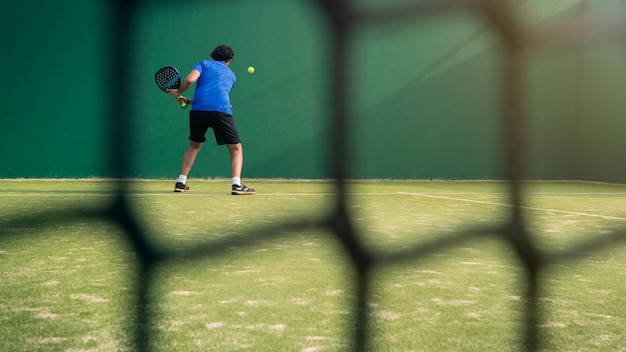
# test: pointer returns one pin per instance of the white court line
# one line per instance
(166, 194)
(510, 205)
(56, 194)
(427, 195)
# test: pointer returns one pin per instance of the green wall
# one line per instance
(425, 96)
(52, 97)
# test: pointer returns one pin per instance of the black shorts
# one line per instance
(223, 126)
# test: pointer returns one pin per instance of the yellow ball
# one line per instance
(250, 69)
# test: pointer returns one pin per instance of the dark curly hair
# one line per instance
(222, 53)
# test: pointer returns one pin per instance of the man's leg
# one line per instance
(236, 164)
(188, 161)
(190, 157)
(236, 159)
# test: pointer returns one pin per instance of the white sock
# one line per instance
(182, 179)
(236, 181)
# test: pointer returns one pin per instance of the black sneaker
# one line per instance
(181, 187)
(242, 189)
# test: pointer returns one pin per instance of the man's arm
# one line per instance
(191, 78)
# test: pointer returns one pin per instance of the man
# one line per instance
(211, 109)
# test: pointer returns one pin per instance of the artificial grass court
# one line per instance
(69, 281)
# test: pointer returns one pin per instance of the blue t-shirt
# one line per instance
(213, 87)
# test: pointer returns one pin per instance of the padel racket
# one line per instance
(167, 77)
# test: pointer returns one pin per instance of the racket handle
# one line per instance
(181, 101)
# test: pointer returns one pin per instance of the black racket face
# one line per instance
(167, 77)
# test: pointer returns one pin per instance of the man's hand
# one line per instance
(184, 99)
(173, 92)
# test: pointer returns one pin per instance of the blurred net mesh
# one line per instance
(343, 17)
